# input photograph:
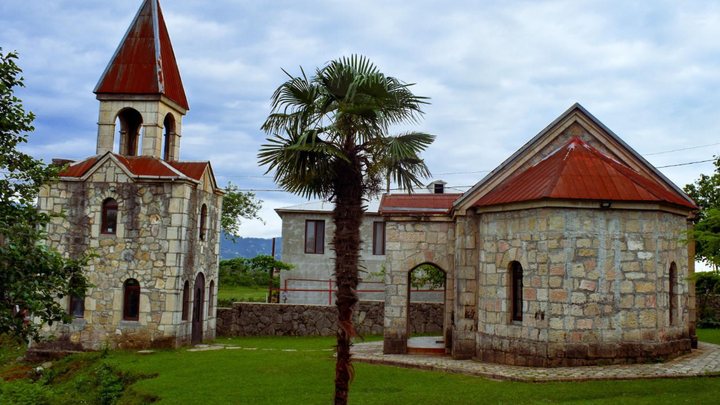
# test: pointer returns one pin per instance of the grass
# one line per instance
(240, 293)
(709, 335)
(304, 375)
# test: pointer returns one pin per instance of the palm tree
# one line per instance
(328, 139)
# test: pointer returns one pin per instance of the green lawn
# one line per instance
(709, 335)
(239, 293)
(303, 374)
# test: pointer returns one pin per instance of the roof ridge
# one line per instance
(552, 184)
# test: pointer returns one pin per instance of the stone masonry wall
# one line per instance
(154, 244)
(596, 286)
(410, 244)
(259, 319)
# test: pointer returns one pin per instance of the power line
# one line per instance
(685, 164)
(678, 150)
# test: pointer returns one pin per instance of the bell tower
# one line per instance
(141, 89)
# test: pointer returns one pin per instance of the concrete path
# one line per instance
(703, 362)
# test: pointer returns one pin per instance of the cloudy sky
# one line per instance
(497, 73)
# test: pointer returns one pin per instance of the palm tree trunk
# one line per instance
(347, 216)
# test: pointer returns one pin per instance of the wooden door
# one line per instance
(198, 305)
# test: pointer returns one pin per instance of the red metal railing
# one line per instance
(330, 290)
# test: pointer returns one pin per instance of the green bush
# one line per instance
(249, 272)
(25, 393)
(707, 290)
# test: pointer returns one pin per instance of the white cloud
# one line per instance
(497, 72)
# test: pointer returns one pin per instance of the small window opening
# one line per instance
(203, 222)
(169, 137)
(109, 216)
(439, 188)
(77, 306)
(131, 300)
(315, 237)
(211, 295)
(516, 291)
(186, 301)
(378, 238)
(672, 294)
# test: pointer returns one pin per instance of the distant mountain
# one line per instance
(247, 247)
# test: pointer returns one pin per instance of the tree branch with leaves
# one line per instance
(32, 275)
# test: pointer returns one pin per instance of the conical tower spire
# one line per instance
(142, 89)
(144, 62)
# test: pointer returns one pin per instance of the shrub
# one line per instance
(23, 392)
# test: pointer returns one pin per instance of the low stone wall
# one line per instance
(260, 319)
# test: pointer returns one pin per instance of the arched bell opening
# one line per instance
(130, 122)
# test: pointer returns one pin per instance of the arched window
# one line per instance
(516, 291)
(672, 294)
(77, 306)
(186, 301)
(212, 296)
(131, 300)
(203, 222)
(130, 121)
(169, 137)
(109, 216)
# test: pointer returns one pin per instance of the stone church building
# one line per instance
(565, 254)
(151, 219)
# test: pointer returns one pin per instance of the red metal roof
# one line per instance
(146, 166)
(78, 169)
(193, 170)
(414, 204)
(144, 62)
(579, 171)
(142, 166)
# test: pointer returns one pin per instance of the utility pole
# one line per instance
(272, 275)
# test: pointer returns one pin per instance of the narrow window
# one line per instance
(168, 138)
(672, 294)
(131, 301)
(210, 302)
(315, 236)
(516, 293)
(77, 306)
(186, 301)
(109, 216)
(378, 238)
(203, 222)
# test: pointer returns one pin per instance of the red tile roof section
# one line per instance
(142, 166)
(194, 170)
(414, 204)
(138, 66)
(146, 166)
(577, 171)
(79, 169)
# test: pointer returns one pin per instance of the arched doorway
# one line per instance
(427, 289)
(198, 301)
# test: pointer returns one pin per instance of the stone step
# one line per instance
(436, 351)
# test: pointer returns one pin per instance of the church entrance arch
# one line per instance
(198, 301)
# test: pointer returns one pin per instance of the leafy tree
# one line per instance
(427, 276)
(31, 274)
(253, 272)
(329, 139)
(706, 231)
(707, 289)
(236, 206)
